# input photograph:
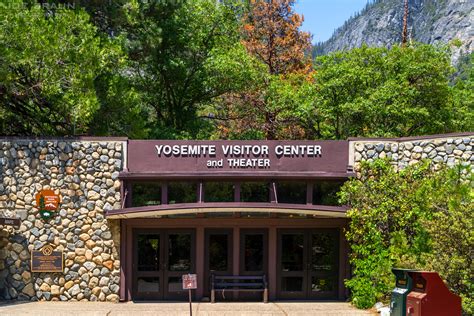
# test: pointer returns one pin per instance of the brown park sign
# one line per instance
(10, 221)
(47, 260)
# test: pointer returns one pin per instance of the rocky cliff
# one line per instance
(430, 21)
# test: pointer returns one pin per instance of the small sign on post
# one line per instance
(190, 283)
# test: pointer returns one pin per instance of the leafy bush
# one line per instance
(414, 218)
(451, 230)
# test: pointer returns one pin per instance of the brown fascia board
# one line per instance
(238, 175)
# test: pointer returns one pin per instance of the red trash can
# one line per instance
(431, 297)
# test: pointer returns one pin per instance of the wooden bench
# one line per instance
(239, 283)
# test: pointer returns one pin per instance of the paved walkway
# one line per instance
(180, 309)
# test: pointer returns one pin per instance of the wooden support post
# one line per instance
(272, 262)
(200, 263)
(236, 255)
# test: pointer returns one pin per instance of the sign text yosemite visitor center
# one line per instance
(238, 156)
(211, 157)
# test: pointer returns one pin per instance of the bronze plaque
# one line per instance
(47, 260)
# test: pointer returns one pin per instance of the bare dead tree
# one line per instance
(405, 24)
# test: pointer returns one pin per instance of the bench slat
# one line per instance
(239, 284)
(241, 290)
(237, 277)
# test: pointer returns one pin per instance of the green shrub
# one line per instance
(414, 218)
(451, 228)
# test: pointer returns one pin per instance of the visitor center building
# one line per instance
(133, 216)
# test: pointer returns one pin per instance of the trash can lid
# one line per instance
(404, 270)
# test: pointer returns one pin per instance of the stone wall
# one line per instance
(85, 174)
(444, 149)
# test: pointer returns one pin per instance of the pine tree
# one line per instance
(271, 34)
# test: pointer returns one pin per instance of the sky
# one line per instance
(322, 17)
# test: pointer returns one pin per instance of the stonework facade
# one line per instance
(85, 174)
(441, 150)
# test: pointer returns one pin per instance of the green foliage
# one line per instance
(414, 218)
(48, 66)
(463, 92)
(288, 98)
(381, 213)
(184, 54)
(451, 228)
(121, 112)
(275, 105)
(399, 91)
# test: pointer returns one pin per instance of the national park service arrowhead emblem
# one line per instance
(47, 202)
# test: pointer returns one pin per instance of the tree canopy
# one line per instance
(397, 91)
(48, 67)
(183, 55)
(269, 108)
(213, 69)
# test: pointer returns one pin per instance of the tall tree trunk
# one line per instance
(405, 24)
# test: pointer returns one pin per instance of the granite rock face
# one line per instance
(83, 173)
(430, 21)
(441, 151)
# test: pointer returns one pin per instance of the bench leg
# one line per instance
(213, 296)
(265, 296)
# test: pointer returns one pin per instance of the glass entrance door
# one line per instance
(179, 260)
(308, 264)
(253, 251)
(324, 264)
(161, 258)
(147, 266)
(218, 260)
(253, 258)
(293, 257)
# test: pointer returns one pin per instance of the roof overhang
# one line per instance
(251, 175)
(198, 208)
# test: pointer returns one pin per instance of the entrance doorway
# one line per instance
(253, 251)
(308, 263)
(219, 260)
(218, 256)
(161, 257)
(253, 258)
